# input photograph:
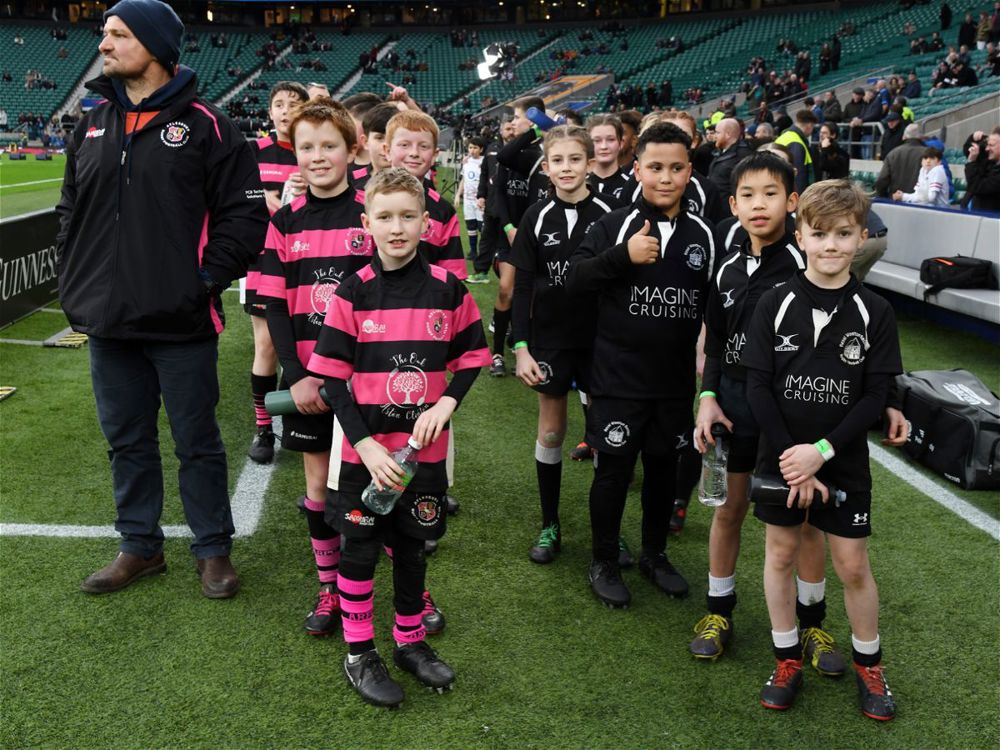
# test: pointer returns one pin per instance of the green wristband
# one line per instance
(824, 448)
(520, 345)
(508, 227)
(706, 394)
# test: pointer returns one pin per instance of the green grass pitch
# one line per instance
(540, 664)
(29, 185)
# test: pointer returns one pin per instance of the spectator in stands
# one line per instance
(912, 89)
(18, 40)
(862, 126)
(982, 172)
(762, 133)
(832, 111)
(667, 94)
(918, 46)
(902, 167)
(967, 32)
(316, 90)
(153, 321)
(796, 140)
(893, 134)
(62, 54)
(835, 49)
(832, 161)
(631, 120)
(3, 118)
(936, 43)
(982, 30)
(932, 182)
(7, 77)
(991, 66)
(730, 148)
(825, 53)
(763, 114)
(945, 16)
(995, 24)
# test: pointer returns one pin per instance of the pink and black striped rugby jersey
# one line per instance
(276, 161)
(312, 245)
(442, 243)
(395, 336)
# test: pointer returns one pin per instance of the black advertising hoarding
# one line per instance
(27, 264)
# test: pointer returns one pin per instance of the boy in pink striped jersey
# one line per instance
(394, 330)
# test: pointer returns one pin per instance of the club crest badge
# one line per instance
(175, 134)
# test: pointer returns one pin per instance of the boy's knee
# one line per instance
(552, 439)
(854, 574)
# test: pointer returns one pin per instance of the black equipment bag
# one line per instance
(954, 425)
(957, 272)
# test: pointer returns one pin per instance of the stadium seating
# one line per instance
(341, 62)
(39, 52)
(912, 233)
(212, 63)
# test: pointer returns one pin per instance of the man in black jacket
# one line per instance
(162, 207)
(982, 172)
(731, 148)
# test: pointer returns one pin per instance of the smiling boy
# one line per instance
(650, 265)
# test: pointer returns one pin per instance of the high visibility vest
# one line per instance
(791, 136)
(907, 114)
(717, 117)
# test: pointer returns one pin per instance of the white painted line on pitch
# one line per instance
(247, 503)
(33, 182)
(936, 492)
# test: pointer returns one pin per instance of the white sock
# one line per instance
(549, 456)
(810, 593)
(785, 640)
(721, 586)
(865, 647)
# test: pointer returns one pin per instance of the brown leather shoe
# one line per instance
(122, 571)
(218, 577)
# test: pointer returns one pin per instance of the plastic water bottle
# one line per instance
(279, 403)
(542, 120)
(712, 490)
(770, 490)
(384, 500)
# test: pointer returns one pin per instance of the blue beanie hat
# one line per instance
(156, 25)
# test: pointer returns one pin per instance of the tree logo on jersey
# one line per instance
(546, 370)
(323, 287)
(551, 238)
(358, 242)
(616, 434)
(786, 344)
(852, 348)
(437, 324)
(427, 510)
(727, 298)
(175, 134)
(694, 256)
(406, 386)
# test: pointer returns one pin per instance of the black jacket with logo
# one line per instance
(156, 222)
(649, 316)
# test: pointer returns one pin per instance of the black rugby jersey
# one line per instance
(730, 235)
(823, 356)
(358, 175)
(276, 160)
(701, 196)
(545, 314)
(520, 179)
(441, 244)
(312, 245)
(736, 289)
(615, 185)
(649, 316)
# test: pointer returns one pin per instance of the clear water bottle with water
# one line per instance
(712, 489)
(383, 501)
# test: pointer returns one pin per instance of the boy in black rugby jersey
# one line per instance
(277, 163)
(553, 332)
(650, 265)
(374, 124)
(763, 187)
(820, 355)
(521, 181)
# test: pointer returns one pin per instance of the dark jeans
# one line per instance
(607, 501)
(129, 378)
